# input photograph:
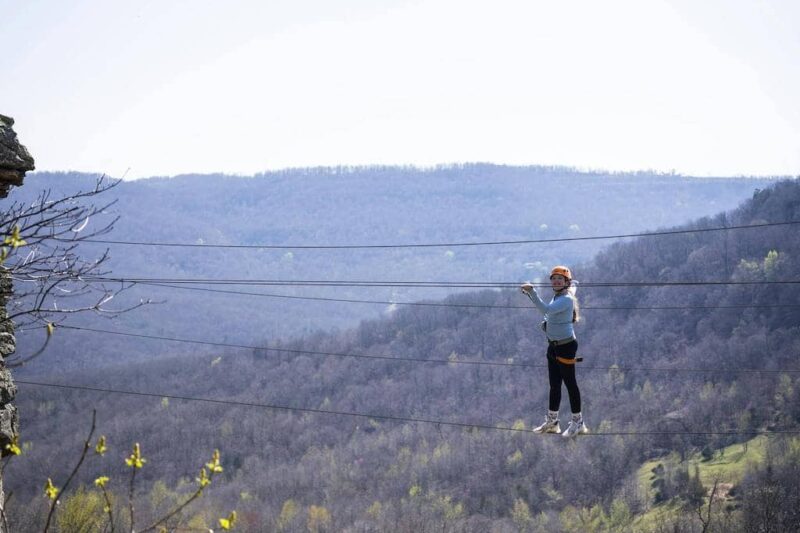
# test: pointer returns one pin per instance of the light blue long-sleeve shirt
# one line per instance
(557, 313)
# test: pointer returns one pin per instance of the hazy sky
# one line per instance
(165, 87)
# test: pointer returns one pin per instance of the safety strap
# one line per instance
(569, 361)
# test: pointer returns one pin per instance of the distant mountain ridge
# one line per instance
(371, 205)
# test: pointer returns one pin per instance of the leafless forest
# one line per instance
(690, 344)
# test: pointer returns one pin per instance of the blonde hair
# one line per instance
(571, 289)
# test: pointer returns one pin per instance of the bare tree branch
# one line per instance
(53, 277)
(706, 520)
(87, 444)
(12, 362)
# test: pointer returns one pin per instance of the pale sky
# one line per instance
(701, 87)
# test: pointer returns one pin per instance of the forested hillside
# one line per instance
(694, 349)
(335, 206)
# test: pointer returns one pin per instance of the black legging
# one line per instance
(560, 372)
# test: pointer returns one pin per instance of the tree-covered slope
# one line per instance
(667, 368)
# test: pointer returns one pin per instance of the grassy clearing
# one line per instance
(727, 466)
(658, 514)
(730, 464)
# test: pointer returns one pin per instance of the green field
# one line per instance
(727, 467)
(728, 464)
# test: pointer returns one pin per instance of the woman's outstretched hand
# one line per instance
(527, 288)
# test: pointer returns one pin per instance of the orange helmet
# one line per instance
(561, 271)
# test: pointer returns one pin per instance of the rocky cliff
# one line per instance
(15, 161)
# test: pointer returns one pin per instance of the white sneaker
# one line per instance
(575, 428)
(550, 426)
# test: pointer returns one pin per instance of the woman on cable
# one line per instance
(559, 316)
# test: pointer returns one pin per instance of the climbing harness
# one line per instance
(565, 360)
